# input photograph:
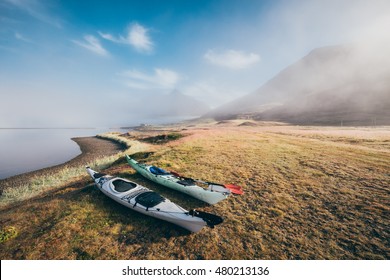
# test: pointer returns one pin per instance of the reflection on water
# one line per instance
(23, 150)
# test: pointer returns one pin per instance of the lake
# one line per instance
(24, 150)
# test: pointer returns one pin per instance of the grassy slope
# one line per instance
(309, 195)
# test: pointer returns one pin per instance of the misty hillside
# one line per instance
(331, 85)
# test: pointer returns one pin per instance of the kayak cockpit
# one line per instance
(158, 171)
(186, 182)
(149, 199)
(122, 185)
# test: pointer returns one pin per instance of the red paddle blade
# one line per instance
(234, 189)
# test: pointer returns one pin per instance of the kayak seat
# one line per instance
(186, 182)
(149, 199)
(123, 186)
(158, 171)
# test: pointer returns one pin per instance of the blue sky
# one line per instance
(76, 63)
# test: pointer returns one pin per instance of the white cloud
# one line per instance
(137, 36)
(93, 44)
(160, 79)
(232, 59)
(109, 37)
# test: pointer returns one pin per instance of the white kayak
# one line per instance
(145, 201)
(212, 194)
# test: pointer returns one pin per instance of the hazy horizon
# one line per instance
(74, 64)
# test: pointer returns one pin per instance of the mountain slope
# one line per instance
(328, 86)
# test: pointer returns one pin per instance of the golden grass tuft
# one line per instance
(8, 233)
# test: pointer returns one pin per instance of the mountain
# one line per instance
(330, 85)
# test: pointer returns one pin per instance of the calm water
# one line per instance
(23, 150)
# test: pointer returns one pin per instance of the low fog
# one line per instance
(65, 111)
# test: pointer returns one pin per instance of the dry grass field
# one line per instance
(310, 193)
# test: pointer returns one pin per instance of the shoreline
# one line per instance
(91, 148)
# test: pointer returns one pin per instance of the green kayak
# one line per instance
(212, 194)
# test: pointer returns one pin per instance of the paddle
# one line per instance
(209, 218)
(233, 188)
